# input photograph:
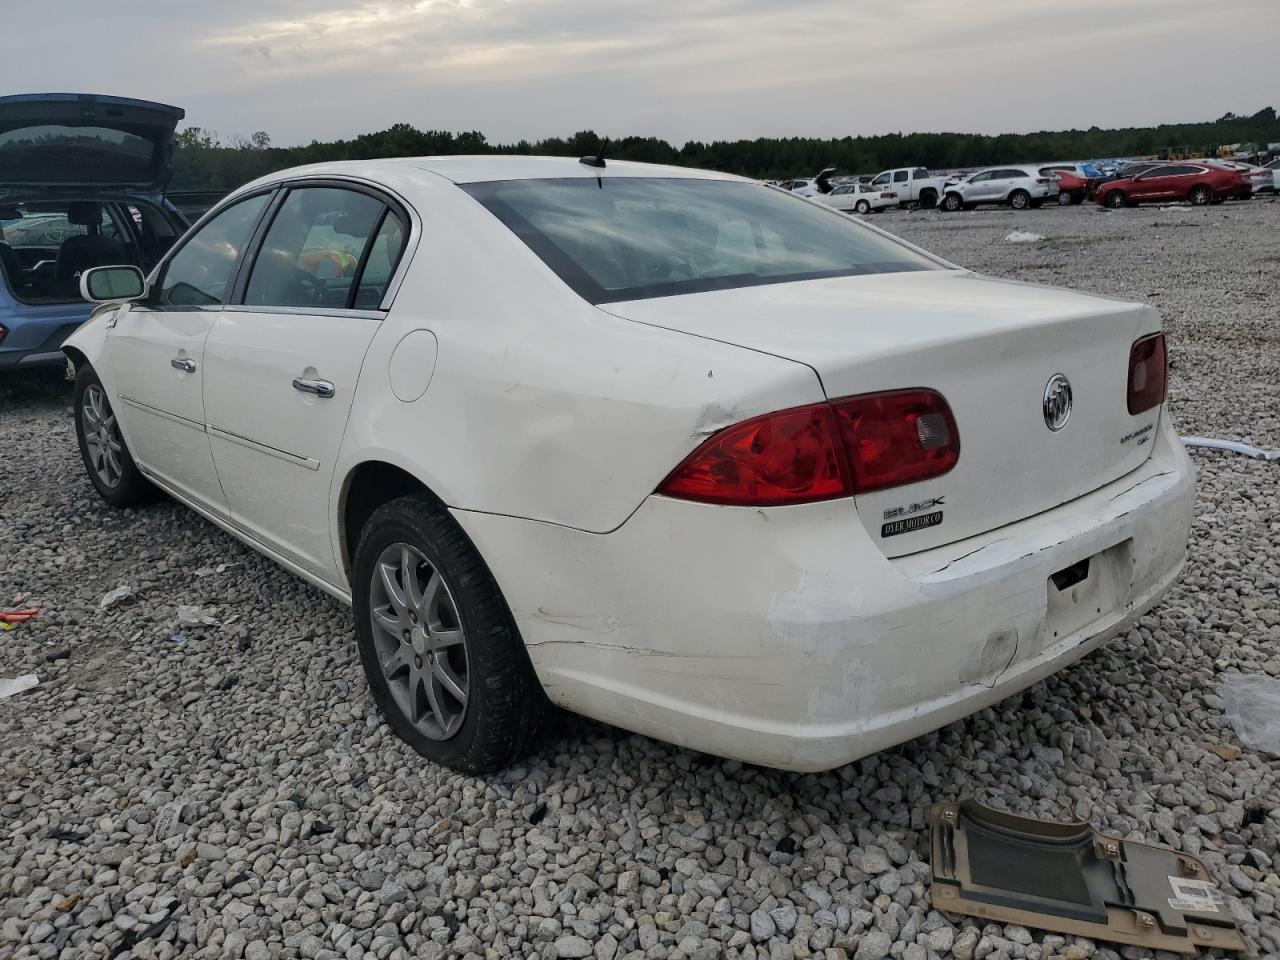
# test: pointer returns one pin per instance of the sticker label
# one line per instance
(911, 524)
(1196, 896)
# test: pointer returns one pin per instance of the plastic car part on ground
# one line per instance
(11, 618)
(1022, 236)
(1068, 878)
(11, 685)
(1234, 446)
(1253, 709)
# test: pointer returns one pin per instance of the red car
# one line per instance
(1197, 182)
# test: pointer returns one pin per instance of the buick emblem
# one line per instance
(1057, 402)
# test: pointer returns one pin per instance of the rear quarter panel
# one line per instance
(540, 405)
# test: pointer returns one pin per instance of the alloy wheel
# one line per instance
(419, 641)
(1019, 200)
(1064, 199)
(1200, 195)
(102, 436)
(1115, 199)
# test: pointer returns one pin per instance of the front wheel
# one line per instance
(105, 455)
(1200, 195)
(441, 652)
(1115, 200)
(1065, 199)
(862, 207)
(952, 202)
(1019, 199)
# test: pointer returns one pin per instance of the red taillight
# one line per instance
(1148, 373)
(4, 332)
(822, 451)
(903, 436)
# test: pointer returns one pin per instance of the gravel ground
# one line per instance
(233, 792)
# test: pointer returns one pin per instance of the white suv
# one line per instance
(1020, 187)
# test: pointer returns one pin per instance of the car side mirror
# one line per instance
(112, 284)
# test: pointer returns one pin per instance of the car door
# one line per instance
(283, 360)
(1152, 185)
(978, 187)
(155, 354)
(902, 186)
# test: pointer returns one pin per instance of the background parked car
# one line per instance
(1259, 179)
(81, 185)
(913, 185)
(1199, 183)
(1019, 187)
(860, 198)
(819, 186)
(1274, 167)
(1076, 181)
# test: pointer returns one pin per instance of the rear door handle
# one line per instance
(321, 388)
(183, 363)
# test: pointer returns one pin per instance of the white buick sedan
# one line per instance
(664, 447)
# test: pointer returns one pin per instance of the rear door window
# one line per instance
(314, 248)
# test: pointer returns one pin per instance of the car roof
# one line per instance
(478, 169)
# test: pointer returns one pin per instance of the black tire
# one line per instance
(119, 481)
(1065, 198)
(951, 202)
(928, 199)
(862, 207)
(1200, 195)
(1115, 200)
(506, 710)
(1019, 200)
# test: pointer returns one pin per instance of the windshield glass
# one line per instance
(631, 238)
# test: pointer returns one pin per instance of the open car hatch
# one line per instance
(1068, 878)
(58, 140)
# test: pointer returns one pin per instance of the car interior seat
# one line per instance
(92, 249)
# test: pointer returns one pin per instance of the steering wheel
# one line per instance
(315, 286)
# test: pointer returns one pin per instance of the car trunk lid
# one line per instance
(61, 140)
(990, 347)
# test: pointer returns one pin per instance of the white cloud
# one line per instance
(680, 69)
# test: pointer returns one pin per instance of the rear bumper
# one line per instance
(783, 637)
(35, 339)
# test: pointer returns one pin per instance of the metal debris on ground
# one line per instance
(1252, 707)
(112, 597)
(1233, 446)
(11, 685)
(1070, 879)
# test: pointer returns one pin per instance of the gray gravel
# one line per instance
(231, 792)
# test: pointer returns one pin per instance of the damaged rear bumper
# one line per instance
(784, 637)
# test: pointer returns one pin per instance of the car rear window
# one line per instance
(633, 238)
(66, 154)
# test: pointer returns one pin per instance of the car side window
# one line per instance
(900, 176)
(381, 262)
(1159, 172)
(980, 177)
(311, 251)
(1183, 171)
(199, 272)
(880, 180)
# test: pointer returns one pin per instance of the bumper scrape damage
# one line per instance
(785, 637)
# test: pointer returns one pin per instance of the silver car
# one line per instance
(1020, 187)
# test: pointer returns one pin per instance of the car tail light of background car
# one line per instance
(1148, 373)
(822, 451)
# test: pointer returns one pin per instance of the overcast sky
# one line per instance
(678, 69)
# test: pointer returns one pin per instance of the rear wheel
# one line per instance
(1200, 195)
(440, 649)
(952, 202)
(1115, 199)
(862, 207)
(1019, 199)
(928, 199)
(102, 448)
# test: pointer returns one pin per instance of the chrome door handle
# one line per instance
(183, 363)
(321, 388)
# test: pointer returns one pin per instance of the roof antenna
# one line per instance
(598, 159)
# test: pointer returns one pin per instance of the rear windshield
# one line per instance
(63, 154)
(632, 238)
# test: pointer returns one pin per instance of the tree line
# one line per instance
(204, 161)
